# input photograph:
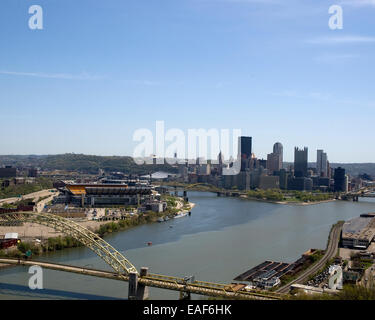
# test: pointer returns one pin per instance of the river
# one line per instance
(221, 239)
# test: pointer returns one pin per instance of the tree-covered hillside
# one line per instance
(83, 163)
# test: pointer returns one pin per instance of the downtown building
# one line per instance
(300, 162)
(273, 163)
(300, 181)
(278, 149)
(245, 152)
(321, 164)
(340, 180)
(275, 159)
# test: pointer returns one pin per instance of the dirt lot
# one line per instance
(31, 230)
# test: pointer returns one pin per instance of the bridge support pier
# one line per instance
(137, 291)
(142, 291)
(133, 285)
(185, 196)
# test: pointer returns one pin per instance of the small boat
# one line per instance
(182, 214)
(149, 244)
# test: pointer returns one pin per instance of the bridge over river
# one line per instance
(123, 268)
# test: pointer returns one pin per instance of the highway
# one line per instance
(40, 205)
(32, 196)
(329, 254)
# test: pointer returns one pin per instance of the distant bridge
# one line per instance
(124, 270)
(192, 186)
(355, 195)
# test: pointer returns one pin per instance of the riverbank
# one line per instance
(5, 266)
(275, 196)
(50, 240)
(296, 203)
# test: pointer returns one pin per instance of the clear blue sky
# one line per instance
(101, 69)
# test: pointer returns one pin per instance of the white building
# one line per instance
(335, 280)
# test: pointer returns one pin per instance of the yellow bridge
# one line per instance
(123, 269)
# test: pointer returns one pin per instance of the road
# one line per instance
(40, 205)
(329, 254)
(33, 196)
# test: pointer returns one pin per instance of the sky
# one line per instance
(100, 70)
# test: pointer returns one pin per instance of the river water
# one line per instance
(221, 239)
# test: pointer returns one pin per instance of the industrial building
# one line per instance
(358, 233)
(267, 274)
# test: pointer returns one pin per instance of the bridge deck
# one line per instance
(159, 281)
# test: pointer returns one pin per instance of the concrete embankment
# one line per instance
(5, 266)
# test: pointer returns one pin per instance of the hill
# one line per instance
(354, 169)
(82, 163)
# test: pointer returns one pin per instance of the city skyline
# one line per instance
(312, 157)
(85, 83)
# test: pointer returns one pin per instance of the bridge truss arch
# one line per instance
(88, 238)
(199, 184)
(204, 184)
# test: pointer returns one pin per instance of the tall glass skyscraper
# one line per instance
(278, 149)
(321, 164)
(245, 144)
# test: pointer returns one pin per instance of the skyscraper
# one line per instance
(275, 159)
(273, 162)
(245, 144)
(300, 162)
(278, 149)
(340, 180)
(321, 164)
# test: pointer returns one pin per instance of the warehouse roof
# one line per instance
(359, 228)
